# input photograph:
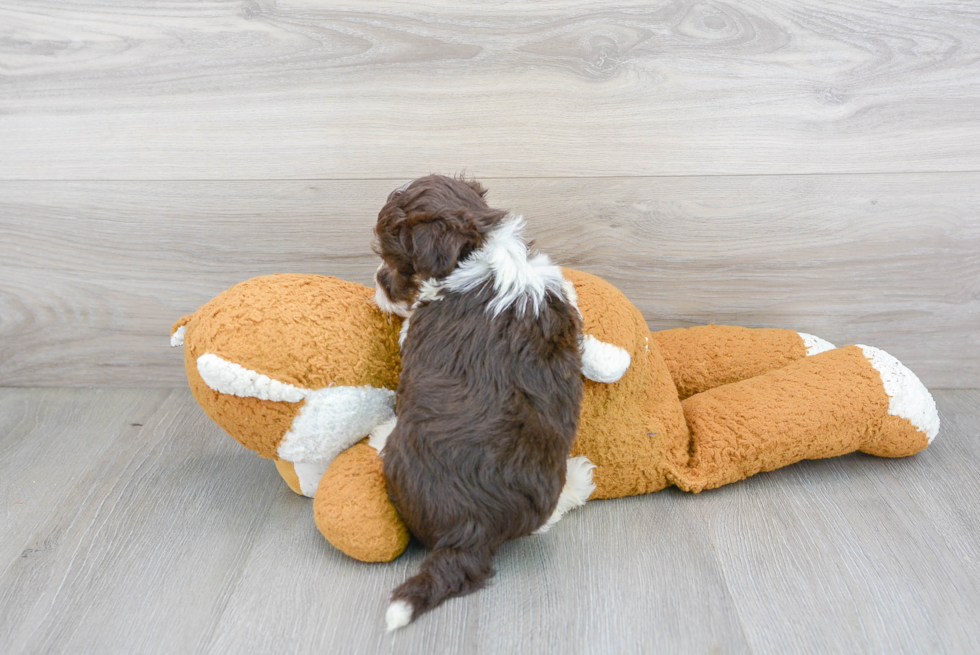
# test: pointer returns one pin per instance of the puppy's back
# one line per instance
(488, 410)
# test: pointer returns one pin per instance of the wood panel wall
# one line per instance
(814, 166)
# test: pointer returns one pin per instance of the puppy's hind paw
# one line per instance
(577, 490)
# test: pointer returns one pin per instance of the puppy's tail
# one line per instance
(444, 573)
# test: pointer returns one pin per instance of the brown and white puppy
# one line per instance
(490, 388)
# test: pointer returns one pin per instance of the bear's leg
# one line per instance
(352, 509)
(836, 402)
(709, 356)
(304, 477)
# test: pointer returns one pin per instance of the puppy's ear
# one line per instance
(392, 239)
(436, 248)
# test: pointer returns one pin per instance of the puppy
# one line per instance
(490, 388)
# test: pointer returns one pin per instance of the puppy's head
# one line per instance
(425, 228)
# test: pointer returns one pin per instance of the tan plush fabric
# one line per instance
(352, 509)
(896, 437)
(708, 356)
(752, 400)
(307, 330)
(288, 473)
(626, 429)
(821, 406)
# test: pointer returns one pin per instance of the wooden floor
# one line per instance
(132, 524)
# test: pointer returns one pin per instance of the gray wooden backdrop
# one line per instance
(794, 164)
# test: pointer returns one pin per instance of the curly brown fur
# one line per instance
(488, 401)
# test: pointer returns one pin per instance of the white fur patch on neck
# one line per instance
(908, 398)
(403, 333)
(429, 291)
(385, 304)
(571, 295)
(518, 279)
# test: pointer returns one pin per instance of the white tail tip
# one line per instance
(399, 615)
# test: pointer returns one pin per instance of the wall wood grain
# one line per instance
(270, 90)
(94, 273)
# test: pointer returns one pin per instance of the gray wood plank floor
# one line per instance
(131, 523)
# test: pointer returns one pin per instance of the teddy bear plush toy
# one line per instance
(302, 369)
